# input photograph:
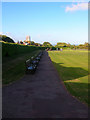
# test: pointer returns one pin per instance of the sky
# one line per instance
(46, 21)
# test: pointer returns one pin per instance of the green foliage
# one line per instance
(47, 44)
(32, 42)
(11, 49)
(13, 68)
(14, 56)
(84, 46)
(72, 46)
(61, 44)
(6, 39)
(53, 48)
(66, 46)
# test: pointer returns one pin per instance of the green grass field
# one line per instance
(13, 68)
(72, 66)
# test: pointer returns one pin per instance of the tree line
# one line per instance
(59, 45)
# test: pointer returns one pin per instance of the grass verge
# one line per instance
(13, 68)
(72, 66)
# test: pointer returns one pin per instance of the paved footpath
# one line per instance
(41, 95)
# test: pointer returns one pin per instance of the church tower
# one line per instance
(28, 38)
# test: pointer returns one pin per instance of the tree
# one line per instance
(72, 46)
(86, 45)
(68, 45)
(32, 43)
(47, 44)
(21, 42)
(60, 44)
(6, 39)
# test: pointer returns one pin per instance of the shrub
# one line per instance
(11, 49)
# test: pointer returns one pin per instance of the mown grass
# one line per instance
(13, 68)
(72, 66)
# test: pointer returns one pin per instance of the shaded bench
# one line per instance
(32, 63)
(30, 68)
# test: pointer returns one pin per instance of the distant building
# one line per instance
(28, 38)
(27, 41)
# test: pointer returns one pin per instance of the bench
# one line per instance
(30, 68)
(32, 63)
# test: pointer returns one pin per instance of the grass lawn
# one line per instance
(13, 68)
(72, 66)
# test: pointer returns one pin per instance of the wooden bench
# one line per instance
(32, 63)
(30, 68)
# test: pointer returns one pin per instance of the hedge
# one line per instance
(11, 49)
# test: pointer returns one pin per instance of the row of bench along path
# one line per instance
(41, 95)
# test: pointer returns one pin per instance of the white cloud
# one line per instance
(79, 6)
